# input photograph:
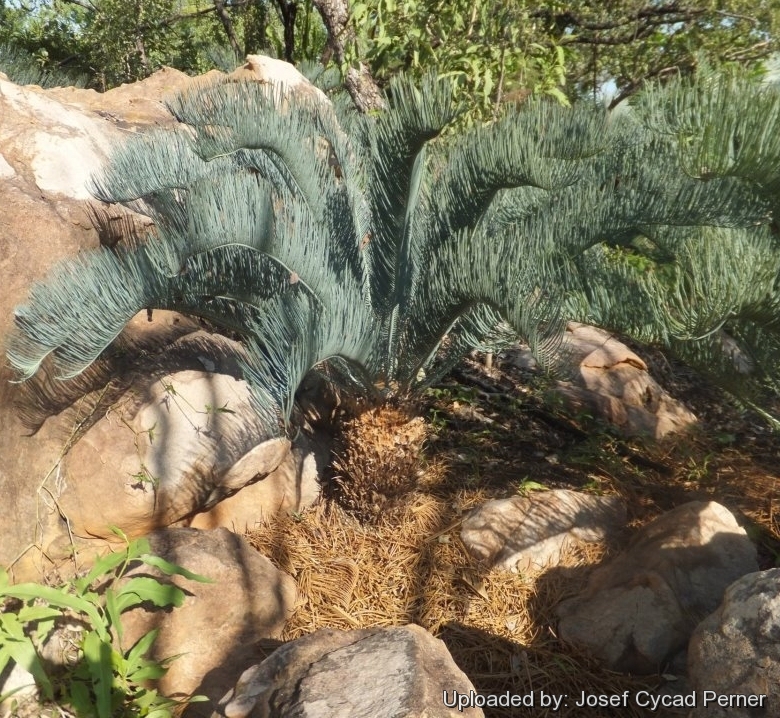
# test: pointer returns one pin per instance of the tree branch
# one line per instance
(227, 23)
(360, 84)
(657, 15)
(658, 73)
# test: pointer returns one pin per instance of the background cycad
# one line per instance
(325, 237)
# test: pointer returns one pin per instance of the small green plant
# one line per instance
(527, 485)
(103, 681)
(144, 479)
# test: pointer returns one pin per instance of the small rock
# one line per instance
(523, 533)
(736, 650)
(640, 609)
(520, 356)
(19, 685)
(611, 382)
(292, 486)
(377, 672)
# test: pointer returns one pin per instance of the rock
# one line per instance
(193, 442)
(6, 171)
(613, 383)
(292, 486)
(220, 628)
(736, 650)
(19, 685)
(525, 533)
(377, 672)
(52, 140)
(640, 609)
(282, 74)
(520, 356)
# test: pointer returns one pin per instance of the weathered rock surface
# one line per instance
(220, 627)
(51, 141)
(531, 532)
(194, 441)
(640, 609)
(736, 650)
(377, 672)
(292, 486)
(19, 685)
(612, 382)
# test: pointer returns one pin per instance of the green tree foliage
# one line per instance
(40, 33)
(503, 51)
(631, 41)
(128, 38)
(23, 68)
(116, 41)
(378, 251)
(494, 51)
(109, 41)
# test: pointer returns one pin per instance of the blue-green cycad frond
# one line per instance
(281, 352)
(719, 275)
(82, 307)
(296, 146)
(230, 117)
(397, 140)
(229, 209)
(380, 251)
(524, 150)
(299, 333)
(745, 140)
(87, 301)
(473, 283)
(713, 299)
(145, 164)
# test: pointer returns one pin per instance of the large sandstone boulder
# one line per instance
(377, 672)
(640, 609)
(220, 629)
(613, 383)
(194, 441)
(525, 533)
(51, 142)
(735, 652)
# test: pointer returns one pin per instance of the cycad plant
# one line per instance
(378, 250)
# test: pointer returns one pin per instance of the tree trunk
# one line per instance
(288, 11)
(227, 23)
(360, 84)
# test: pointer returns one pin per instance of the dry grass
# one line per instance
(408, 565)
(387, 552)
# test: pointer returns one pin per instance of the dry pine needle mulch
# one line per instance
(399, 560)
(497, 625)
(384, 550)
